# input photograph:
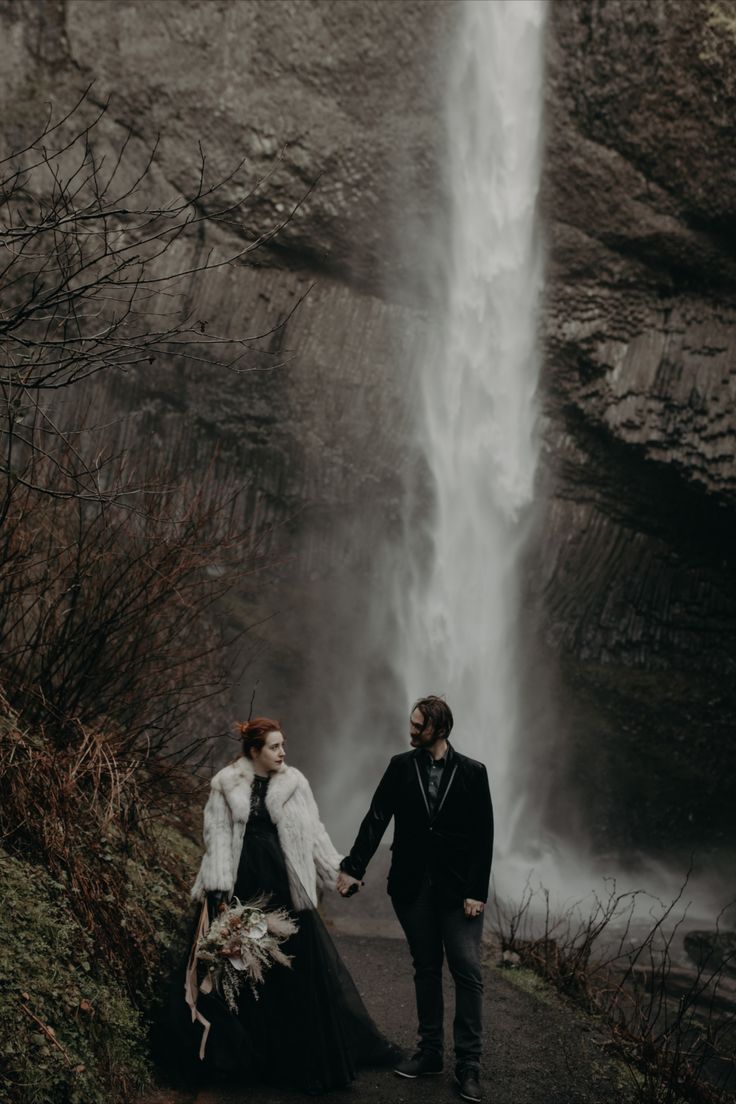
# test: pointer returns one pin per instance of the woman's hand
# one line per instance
(347, 885)
(217, 900)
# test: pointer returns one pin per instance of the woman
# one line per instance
(263, 834)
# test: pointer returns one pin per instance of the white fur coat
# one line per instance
(307, 848)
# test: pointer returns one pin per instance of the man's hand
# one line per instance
(473, 908)
(344, 883)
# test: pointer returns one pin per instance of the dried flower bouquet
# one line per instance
(241, 945)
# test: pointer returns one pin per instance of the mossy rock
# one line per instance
(67, 1034)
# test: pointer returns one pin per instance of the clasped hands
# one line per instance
(345, 884)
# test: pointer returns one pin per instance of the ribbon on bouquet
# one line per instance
(191, 986)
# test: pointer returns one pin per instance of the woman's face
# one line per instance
(271, 756)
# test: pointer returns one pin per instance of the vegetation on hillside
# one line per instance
(113, 663)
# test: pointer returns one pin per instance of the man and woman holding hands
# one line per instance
(263, 833)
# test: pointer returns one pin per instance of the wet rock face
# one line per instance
(641, 331)
(655, 84)
(308, 93)
(635, 574)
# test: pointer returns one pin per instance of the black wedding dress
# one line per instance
(308, 1027)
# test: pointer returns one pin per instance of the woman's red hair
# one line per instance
(253, 733)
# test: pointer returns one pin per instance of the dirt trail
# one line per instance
(537, 1051)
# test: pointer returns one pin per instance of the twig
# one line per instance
(48, 1031)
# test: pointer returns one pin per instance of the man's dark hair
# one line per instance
(437, 713)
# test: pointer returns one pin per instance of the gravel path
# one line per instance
(538, 1051)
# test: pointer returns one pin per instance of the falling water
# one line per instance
(470, 505)
(478, 412)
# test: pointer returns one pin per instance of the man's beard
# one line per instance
(425, 740)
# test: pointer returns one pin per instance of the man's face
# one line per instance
(420, 737)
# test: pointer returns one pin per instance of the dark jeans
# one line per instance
(432, 931)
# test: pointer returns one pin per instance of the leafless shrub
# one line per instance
(75, 811)
(675, 1028)
(113, 664)
(98, 269)
(105, 612)
(112, 675)
(106, 580)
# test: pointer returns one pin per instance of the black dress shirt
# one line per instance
(435, 776)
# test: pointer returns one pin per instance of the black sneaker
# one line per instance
(468, 1083)
(423, 1064)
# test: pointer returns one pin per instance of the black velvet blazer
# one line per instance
(454, 847)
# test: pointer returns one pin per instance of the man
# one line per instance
(438, 882)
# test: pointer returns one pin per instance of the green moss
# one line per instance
(625, 1075)
(166, 904)
(532, 983)
(49, 984)
(51, 975)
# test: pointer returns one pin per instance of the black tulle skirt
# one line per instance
(308, 1028)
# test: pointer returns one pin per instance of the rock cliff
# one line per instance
(335, 105)
(640, 379)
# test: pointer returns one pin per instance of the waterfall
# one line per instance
(477, 412)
